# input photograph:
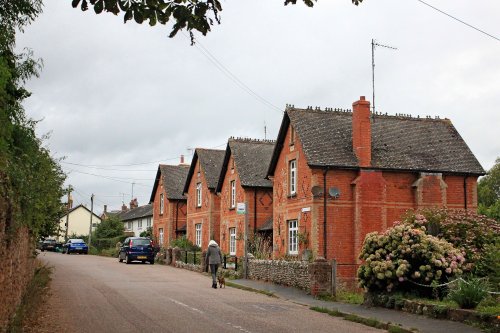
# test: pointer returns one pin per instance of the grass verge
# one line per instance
(372, 322)
(32, 298)
(238, 286)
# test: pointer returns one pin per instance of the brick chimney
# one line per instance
(105, 209)
(182, 160)
(362, 132)
(134, 203)
(124, 207)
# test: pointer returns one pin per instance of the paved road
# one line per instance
(99, 294)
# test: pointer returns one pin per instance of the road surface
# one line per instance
(99, 294)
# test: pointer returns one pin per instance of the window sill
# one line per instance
(290, 196)
(232, 208)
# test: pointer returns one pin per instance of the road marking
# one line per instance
(186, 306)
(239, 328)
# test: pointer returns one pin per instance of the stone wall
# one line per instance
(17, 261)
(288, 273)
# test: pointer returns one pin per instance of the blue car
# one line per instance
(137, 249)
(75, 246)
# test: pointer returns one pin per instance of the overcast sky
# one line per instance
(120, 98)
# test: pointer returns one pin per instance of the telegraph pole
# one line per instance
(91, 215)
(67, 214)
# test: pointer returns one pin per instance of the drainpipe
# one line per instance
(325, 171)
(254, 210)
(176, 217)
(465, 193)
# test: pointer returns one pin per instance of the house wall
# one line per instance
(161, 221)
(172, 210)
(260, 209)
(208, 215)
(138, 225)
(79, 223)
(369, 200)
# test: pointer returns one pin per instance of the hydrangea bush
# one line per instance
(467, 231)
(404, 254)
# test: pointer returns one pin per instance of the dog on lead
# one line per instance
(222, 281)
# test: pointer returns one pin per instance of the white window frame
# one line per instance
(161, 204)
(148, 222)
(160, 237)
(293, 237)
(197, 236)
(232, 241)
(198, 195)
(129, 225)
(293, 176)
(139, 223)
(233, 193)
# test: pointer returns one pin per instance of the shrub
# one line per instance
(403, 254)
(468, 294)
(467, 231)
(185, 244)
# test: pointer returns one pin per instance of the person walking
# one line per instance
(213, 257)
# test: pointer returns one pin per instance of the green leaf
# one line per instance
(85, 5)
(138, 17)
(128, 16)
(75, 3)
(124, 5)
(99, 6)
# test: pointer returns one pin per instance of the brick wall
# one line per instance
(17, 262)
(208, 215)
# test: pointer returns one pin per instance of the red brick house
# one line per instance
(243, 180)
(169, 203)
(203, 209)
(339, 174)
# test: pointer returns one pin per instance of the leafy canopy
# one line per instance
(192, 15)
(109, 228)
(30, 179)
(488, 192)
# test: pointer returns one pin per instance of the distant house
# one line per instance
(169, 203)
(243, 180)
(77, 222)
(203, 212)
(338, 175)
(137, 219)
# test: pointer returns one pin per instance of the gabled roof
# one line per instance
(173, 178)
(398, 143)
(80, 206)
(135, 213)
(211, 163)
(251, 160)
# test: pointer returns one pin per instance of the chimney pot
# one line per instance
(105, 208)
(362, 98)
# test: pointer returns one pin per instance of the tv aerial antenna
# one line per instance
(374, 45)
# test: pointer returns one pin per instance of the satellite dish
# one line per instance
(317, 191)
(334, 192)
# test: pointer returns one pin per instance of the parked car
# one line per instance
(137, 249)
(75, 246)
(48, 245)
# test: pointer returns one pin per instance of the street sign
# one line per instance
(240, 208)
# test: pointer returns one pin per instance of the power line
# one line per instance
(105, 168)
(110, 178)
(109, 166)
(459, 20)
(223, 69)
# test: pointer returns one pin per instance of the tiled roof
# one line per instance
(173, 178)
(76, 207)
(398, 143)
(211, 163)
(251, 160)
(135, 213)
